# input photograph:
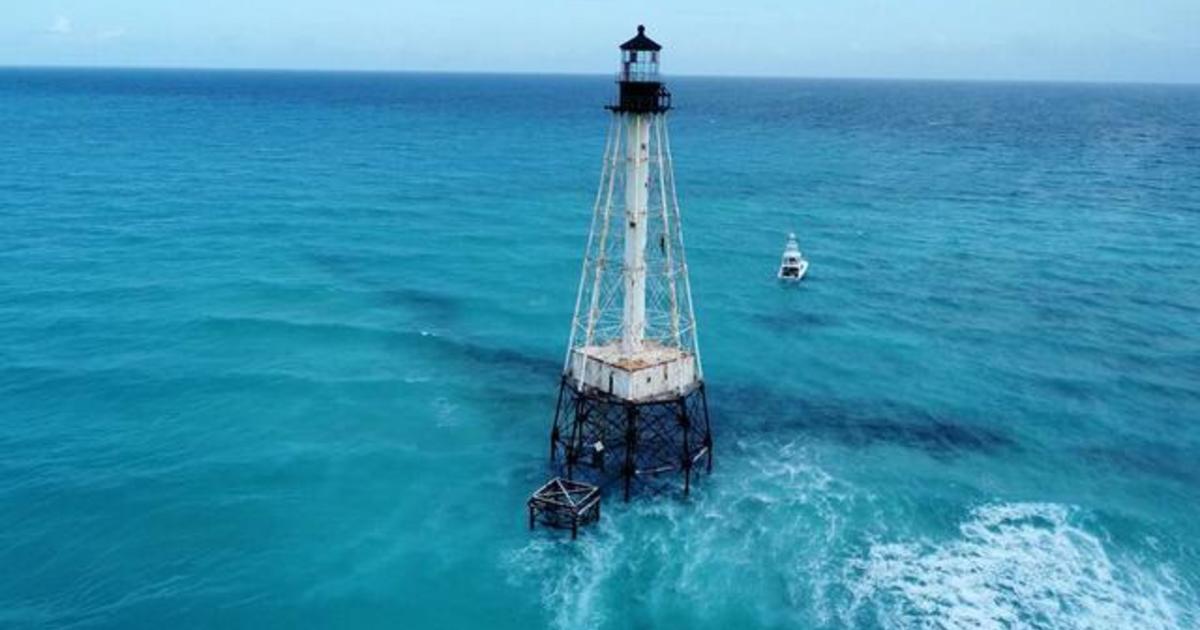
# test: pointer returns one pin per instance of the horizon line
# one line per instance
(296, 70)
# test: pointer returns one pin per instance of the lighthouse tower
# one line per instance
(631, 406)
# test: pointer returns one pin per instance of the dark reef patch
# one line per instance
(792, 320)
(428, 304)
(1137, 458)
(498, 360)
(858, 423)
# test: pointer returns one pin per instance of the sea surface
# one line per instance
(281, 350)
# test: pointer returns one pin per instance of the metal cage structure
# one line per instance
(644, 446)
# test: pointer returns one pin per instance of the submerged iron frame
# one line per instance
(563, 503)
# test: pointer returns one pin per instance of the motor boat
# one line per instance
(793, 266)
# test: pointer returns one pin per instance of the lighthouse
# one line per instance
(631, 407)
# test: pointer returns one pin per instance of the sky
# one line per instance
(1073, 40)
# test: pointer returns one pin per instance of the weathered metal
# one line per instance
(651, 446)
(564, 504)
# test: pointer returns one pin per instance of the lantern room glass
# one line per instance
(639, 66)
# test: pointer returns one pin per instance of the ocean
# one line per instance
(281, 350)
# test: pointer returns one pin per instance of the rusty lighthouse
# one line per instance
(631, 409)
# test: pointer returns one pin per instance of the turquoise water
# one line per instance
(281, 350)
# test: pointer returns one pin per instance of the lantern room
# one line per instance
(641, 90)
(639, 58)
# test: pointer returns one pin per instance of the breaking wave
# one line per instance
(1022, 565)
(781, 543)
(755, 543)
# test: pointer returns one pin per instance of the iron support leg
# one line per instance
(580, 418)
(708, 441)
(554, 432)
(630, 447)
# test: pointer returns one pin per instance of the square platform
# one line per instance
(563, 504)
(655, 371)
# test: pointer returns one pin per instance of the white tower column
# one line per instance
(637, 193)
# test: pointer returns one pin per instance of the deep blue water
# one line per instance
(281, 350)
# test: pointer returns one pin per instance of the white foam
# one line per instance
(767, 540)
(570, 575)
(766, 526)
(1016, 566)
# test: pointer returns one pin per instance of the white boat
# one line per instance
(793, 266)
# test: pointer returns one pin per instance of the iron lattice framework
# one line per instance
(644, 444)
(669, 316)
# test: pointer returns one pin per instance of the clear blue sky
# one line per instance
(1093, 40)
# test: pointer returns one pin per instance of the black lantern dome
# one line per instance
(641, 42)
(641, 90)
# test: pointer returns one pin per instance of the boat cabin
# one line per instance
(793, 265)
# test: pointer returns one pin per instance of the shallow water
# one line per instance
(281, 350)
